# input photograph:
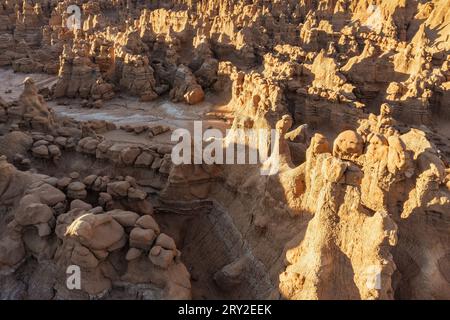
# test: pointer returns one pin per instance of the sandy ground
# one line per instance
(123, 109)
(129, 110)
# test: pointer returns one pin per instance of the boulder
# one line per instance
(33, 213)
(129, 155)
(133, 254)
(76, 190)
(125, 218)
(118, 189)
(144, 160)
(165, 242)
(78, 204)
